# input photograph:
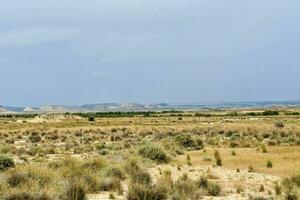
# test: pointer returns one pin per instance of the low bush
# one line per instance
(277, 189)
(279, 124)
(187, 142)
(144, 192)
(213, 189)
(141, 177)
(94, 164)
(115, 172)
(264, 149)
(16, 178)
(250, 169)
(34, 137)
(153, 153)
(111, 184)
(6, 163)
(185, 188)
(203, 183)
(269, 164)
(131, 166)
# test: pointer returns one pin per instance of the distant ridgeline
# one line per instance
(133, 109)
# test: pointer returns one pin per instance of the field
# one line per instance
(176, 155)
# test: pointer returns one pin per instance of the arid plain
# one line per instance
(176, 155)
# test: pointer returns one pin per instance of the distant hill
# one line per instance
(30, 110)
(114, 107)
(2, 109)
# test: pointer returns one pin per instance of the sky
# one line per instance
(73, 52)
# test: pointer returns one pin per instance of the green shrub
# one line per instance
(250, 169)
(187, 142)
(269, 164)
(34, 137)
(270, 112)
(203, 183)
(153, 153)
(279, 124)
(91, 119)
(264, 149)
(6, 163)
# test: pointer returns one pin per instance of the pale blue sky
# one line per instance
(148, 51)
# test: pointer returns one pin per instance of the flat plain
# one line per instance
(208, 154)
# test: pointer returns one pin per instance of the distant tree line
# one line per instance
(265, 113)
(115, 114)
(18, 115)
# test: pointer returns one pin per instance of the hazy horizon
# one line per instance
(72, 52)
(207, 103)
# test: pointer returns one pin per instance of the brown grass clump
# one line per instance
(218, 158)
(75, 191)
(26, 195)
(146, 192)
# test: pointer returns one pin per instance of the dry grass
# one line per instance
(53, 152)
(286, 160)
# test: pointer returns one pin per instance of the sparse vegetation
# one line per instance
(149, 155)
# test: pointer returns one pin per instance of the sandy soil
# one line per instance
(228, 179)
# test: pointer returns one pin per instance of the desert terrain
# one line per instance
(176, 155)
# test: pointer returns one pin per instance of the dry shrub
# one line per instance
(154, 153)
(146, 192)
(111, 184)
(75, 191)
(26, 195)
